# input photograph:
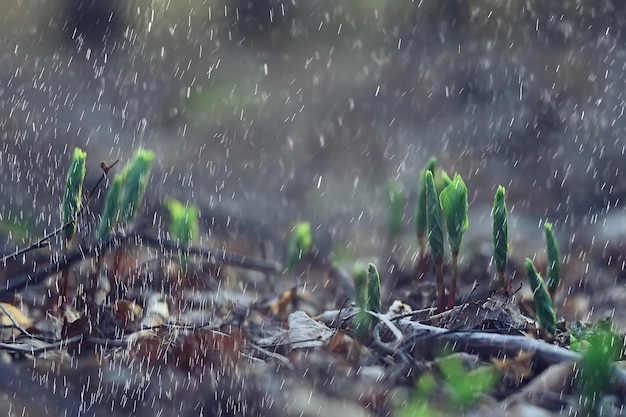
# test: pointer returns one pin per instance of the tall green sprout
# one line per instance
(73, 192)
(183, 225)
(111, 210)
(374, 302)
(454, 205)
(136, 175)
(367, 286)
(500, 233)
(420, 207)
(544, 310)
(554, 261)
(435, 236)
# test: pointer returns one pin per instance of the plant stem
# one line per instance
(441, 290)
(452, 295)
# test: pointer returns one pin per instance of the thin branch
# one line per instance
(489, 345)
(15, 324)
(81, 253)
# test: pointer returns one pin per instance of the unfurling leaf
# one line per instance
(136, 174)
(420, 207)
(500, 233)
(111, 210)
(554, 260)
(299, 244)
(544, 310)
(433, 216)
(453, 200)
(73, 192)
(373, 289)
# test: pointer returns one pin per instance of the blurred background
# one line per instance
(268, 112)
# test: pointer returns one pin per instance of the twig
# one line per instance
(489, 345)
(84, 252)
(221, 256)
(15, 324)
(280, 358)
(29, 349)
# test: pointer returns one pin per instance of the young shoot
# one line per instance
(299, 244)
(183, 226)
(111, 210)
(362, 320)
(136, 174)
(500, 234)
(373, 289)
(554, 261)
(544, 309)
(454, 205)
(73, 192)
(420, 207)
(435, 236)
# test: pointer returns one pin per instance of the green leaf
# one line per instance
(554, 260)
(543, 303)
(453, 201)
(73, 191)
(595, 370)
(373, 289)
(135, 174)
(433, 216)
(299, 244)
(397, 200)
(111, 210)
(420, 207)
(500, 231)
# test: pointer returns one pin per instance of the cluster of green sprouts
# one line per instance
(446, 207)
(433, 209)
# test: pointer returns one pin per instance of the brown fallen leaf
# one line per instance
(515, 370)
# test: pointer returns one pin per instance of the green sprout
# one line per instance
(594, 377)
(299, 244)
(453, 201)
(373, 289)
(111, 210)
(420, 207)
(367, 286)
(397, 201)
(135, 174)
(73, 192)
(544, 309)
(362, 320)
(554, 261)
(183, 225)
(435, 236)
(500, 233)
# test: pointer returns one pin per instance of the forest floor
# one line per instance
(238, 335)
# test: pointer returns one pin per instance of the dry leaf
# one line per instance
(203, 347)
(126, 312)
(304, 332)
(515, 370)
